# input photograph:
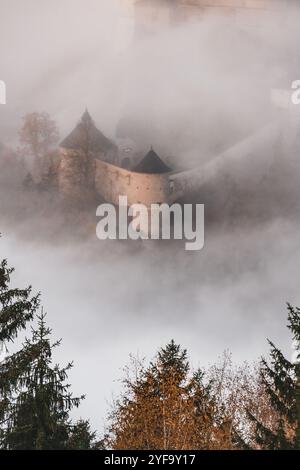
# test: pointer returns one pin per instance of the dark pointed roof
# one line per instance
(152, 163)
(87, 136)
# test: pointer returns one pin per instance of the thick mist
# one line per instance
(192, 92)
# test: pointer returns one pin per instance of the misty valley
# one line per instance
(150, 219)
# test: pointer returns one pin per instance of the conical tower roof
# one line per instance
(152, 163)
(86, 136)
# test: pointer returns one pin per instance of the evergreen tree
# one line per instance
(281, 379)
(171, 360)
(38, 416)
(34, 400)
(81, 437)
(17, 308)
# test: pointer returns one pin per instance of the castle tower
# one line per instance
(78, 152)
(152, 164)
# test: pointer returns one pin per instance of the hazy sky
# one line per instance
(197, 90)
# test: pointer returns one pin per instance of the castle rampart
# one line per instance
(112, 181)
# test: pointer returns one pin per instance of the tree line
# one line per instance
(164, 405)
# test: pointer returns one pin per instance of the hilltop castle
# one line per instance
(90, 164)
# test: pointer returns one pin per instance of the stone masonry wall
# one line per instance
(112, 182)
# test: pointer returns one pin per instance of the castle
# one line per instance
(91, 164)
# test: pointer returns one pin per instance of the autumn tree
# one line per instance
(238, 390)
(166, 406)
(38, 134)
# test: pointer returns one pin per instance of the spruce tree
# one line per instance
(38, 416)
(34, 400)
(281, 379)
(171, 360)
(81, 437)
(17, 308)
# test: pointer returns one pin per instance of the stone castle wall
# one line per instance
(112, 182)
(79, 178)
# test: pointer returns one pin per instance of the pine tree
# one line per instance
(281, 380)
(38, 416)
(171, 360)
(17, 308)
(81, 437)
(34, 400)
